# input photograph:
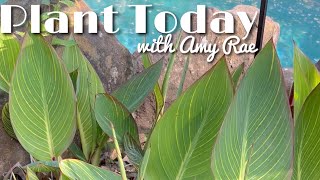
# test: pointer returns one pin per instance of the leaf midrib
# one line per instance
(194, 140)
(46, 116)
(244, 162)
(190, 151)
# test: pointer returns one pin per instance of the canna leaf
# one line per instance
(133, 150)
(64, 177)
(183, 77)
(133, 93)
(9, 51)
(109, 110)
(7, 122)
(87, 86)
(63, 42)
(306, 78)
(43, 166)
(69, 3)
(42, 101)
(255, 140)
(144, 164)
(307, 142)
(77, 152)
(31, 175)
(74, 79)
(172, 59)
(237, 74)
(156, 91)
(182, 141)
(75, 169)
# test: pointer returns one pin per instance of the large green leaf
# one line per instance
(306, 78)
(87, 86)
(182, 141)
(307, 141)
(75, 169)
(255, 141)
(133, 93)
(144, 164)
(42, 101)
(9, 51)
(7, 121)
(108, 110)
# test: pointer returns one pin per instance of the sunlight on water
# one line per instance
(299, 21)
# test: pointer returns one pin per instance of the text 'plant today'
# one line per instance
(223, 22)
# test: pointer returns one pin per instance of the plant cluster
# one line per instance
(225, 126)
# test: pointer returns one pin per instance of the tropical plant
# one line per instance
(225, 126)
(50, 112)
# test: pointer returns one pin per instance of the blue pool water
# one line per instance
(299, 21)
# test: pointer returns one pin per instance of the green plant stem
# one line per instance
(146, 60)
(165, 84)
(121, 164)
(95, 160)
(183, 77)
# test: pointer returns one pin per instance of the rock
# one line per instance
(18, 15)
(288, 78)
(11, 150)
(145, 115)
(318, 65)
(198, 62)
(112, 61)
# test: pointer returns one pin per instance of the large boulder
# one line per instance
(112, 61)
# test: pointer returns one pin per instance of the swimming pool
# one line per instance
(299, 21)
